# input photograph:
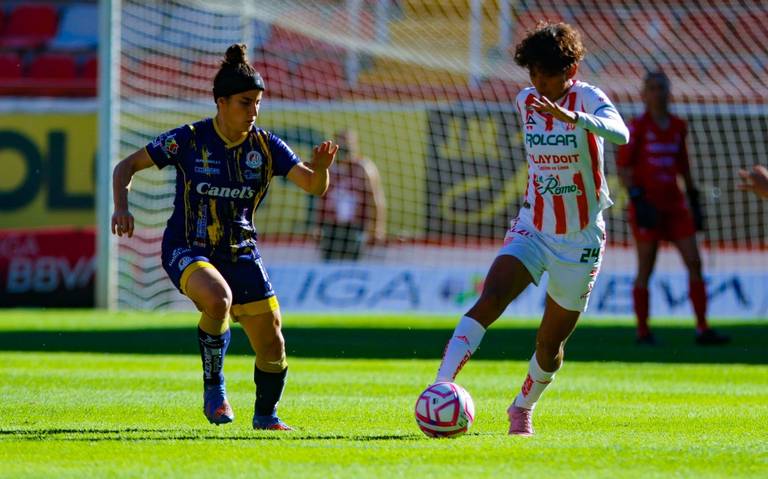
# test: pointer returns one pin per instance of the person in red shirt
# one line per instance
(353, 210)
(649, 167)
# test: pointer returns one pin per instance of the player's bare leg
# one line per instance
(213, 297)
(689, 250)
(556, 326)
(506, 279)
(646, 259)
(269, 373)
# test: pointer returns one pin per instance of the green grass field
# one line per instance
(92, 394)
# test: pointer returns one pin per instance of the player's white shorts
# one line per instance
(572, 260)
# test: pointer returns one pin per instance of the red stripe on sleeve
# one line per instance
(538, 206)
(595, 163)
(560, 221)
(581, 200)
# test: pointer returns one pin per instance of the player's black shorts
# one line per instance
(252, 291)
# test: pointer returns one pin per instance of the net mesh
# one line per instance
(427, 87)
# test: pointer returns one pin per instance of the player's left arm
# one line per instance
(604, 120)
(313, 177)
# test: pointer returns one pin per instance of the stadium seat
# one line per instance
(53, 74)
(154, 75)
(90, 68)
(10, 73)
(78, 29)
(279, 77)
(321, 79)
(29, 26)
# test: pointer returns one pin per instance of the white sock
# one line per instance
(535, 384)
(465, 340)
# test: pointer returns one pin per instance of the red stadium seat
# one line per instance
(320, 79)
(90, 68)
(29, 26)
(89, 72)
(53, 74)
(154, 75)
(10, 73)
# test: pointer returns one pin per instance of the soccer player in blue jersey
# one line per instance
(224, 166)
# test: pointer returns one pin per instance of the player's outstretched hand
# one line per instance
(122, 223)
(755, 181)
(544, 105)
(324, 154)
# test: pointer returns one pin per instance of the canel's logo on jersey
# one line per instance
(253, 159)
(551, 185)
(532, 139)
(243, 192)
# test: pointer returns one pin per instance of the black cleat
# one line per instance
(646, 340)
(710, 337)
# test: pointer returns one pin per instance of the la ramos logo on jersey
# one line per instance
(551, 185)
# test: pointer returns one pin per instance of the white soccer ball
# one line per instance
(445, 410)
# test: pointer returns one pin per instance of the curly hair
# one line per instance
(551, 48)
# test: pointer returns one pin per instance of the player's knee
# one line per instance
(217, 303)
(277, 345)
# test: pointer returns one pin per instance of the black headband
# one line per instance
(235, 83)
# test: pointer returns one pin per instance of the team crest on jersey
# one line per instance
(253, 159)
(170, 146)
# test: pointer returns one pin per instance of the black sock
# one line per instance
(213, 348)
(269, 388)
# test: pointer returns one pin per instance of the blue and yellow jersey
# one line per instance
(219, 185)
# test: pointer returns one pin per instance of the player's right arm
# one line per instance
(122, 219)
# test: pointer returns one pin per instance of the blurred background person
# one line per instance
(755, 181)
(649, 167)
(353, 210)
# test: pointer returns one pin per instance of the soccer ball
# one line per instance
(445, 410)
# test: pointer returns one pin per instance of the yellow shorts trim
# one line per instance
(254, 308)
(194, 266)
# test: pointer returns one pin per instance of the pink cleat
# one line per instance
(520, 423)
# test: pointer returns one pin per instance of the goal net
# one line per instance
(427, 89)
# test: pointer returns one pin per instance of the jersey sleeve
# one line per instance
(283, 158)
(626, 155)
(601, 117)
(167, 148)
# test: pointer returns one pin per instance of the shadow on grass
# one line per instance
(139, 434)
(588, 343)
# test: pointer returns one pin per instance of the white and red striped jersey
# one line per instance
(567, 189)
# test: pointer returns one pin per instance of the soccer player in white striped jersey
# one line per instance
(560, 228)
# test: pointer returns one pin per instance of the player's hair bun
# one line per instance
(236, 54)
